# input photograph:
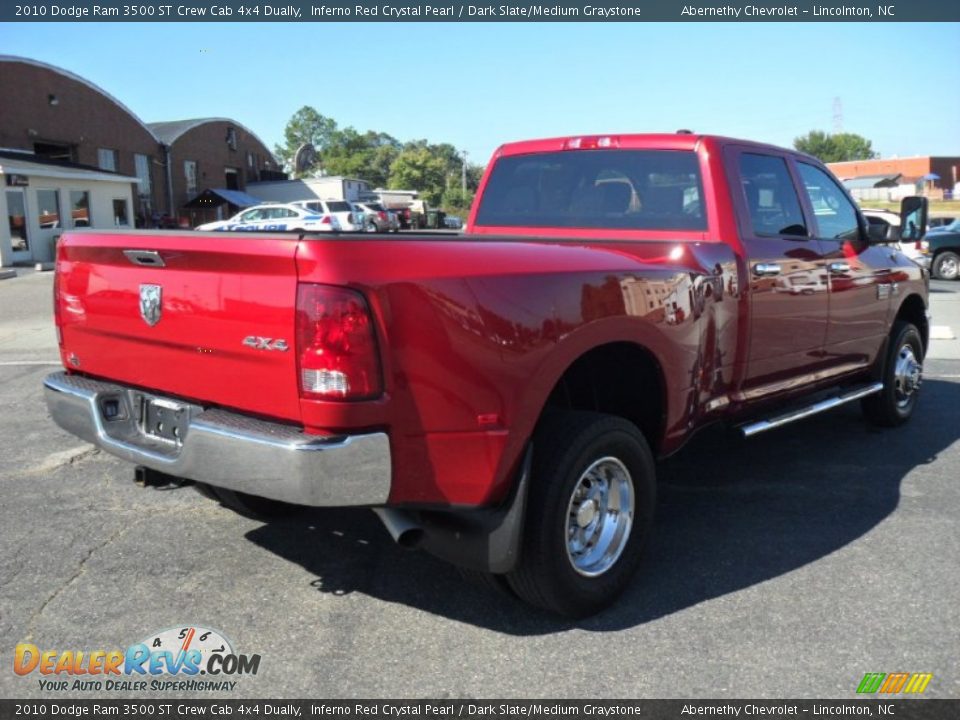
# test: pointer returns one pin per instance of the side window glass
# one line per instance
(836, 215)
(770, 196)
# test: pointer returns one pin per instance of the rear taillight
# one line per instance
(382, 215)
(56, 300)
(336, 345)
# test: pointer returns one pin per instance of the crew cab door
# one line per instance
(860, 274)
(787, 273)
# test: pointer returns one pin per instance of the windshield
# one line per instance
(611, 189)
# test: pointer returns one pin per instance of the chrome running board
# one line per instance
(751, 429)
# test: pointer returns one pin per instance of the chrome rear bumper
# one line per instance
(227, 449)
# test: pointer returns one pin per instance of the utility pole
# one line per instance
(463, 175)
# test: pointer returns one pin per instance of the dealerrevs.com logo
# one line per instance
(191, 658)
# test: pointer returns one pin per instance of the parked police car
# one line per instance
(276, 217)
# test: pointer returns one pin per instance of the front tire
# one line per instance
(902, 374)
(590, 508)
(946, 266)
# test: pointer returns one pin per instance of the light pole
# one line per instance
(463, 176)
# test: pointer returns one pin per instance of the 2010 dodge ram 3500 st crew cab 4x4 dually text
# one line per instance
(498, 397)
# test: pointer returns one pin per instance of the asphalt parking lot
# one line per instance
(784, 566)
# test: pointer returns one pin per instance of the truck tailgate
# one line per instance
(170, 312)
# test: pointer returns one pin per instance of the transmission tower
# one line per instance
(837, 115)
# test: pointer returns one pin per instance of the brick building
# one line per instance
(212, 153)
(912, 169)
(60, 116)
(65, 141)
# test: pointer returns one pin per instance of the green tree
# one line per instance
(417, 167)
(367, 156)
(435, 170)
(474, 175)
(305, 126)
(835, 148)
(453, 200)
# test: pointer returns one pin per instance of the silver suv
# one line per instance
(374, 217)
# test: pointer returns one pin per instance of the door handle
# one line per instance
(839, 267)
(766, 269)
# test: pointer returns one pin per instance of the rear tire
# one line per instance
(902, 374)
(590, 508)
(946, 266)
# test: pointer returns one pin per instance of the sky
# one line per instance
(477, 85)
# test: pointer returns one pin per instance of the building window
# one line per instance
(48, 209)
(142, 165)
(55, 151)
(17, 220)
(121, 218)
(250, 161)
(107, 159)
(232, 138)
(190, 174)
(80, 208)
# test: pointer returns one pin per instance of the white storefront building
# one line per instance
(41, 200)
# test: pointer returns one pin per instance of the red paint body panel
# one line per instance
(474, 332)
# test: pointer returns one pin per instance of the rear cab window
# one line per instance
(596, 189)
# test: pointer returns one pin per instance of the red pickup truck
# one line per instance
(498, 397)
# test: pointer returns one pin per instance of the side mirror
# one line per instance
(913, 218)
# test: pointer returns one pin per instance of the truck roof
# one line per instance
(634, 141)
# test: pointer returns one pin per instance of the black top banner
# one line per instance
(456, 11)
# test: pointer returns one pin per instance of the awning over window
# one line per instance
(214, 197)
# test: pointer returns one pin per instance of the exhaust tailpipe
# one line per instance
(402, 526)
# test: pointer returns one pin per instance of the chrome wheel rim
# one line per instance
(599, 517)
(948, 268)
(907, 375)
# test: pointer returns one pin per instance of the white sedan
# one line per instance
(276, 218)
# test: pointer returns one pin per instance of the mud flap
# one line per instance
(488, 540)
